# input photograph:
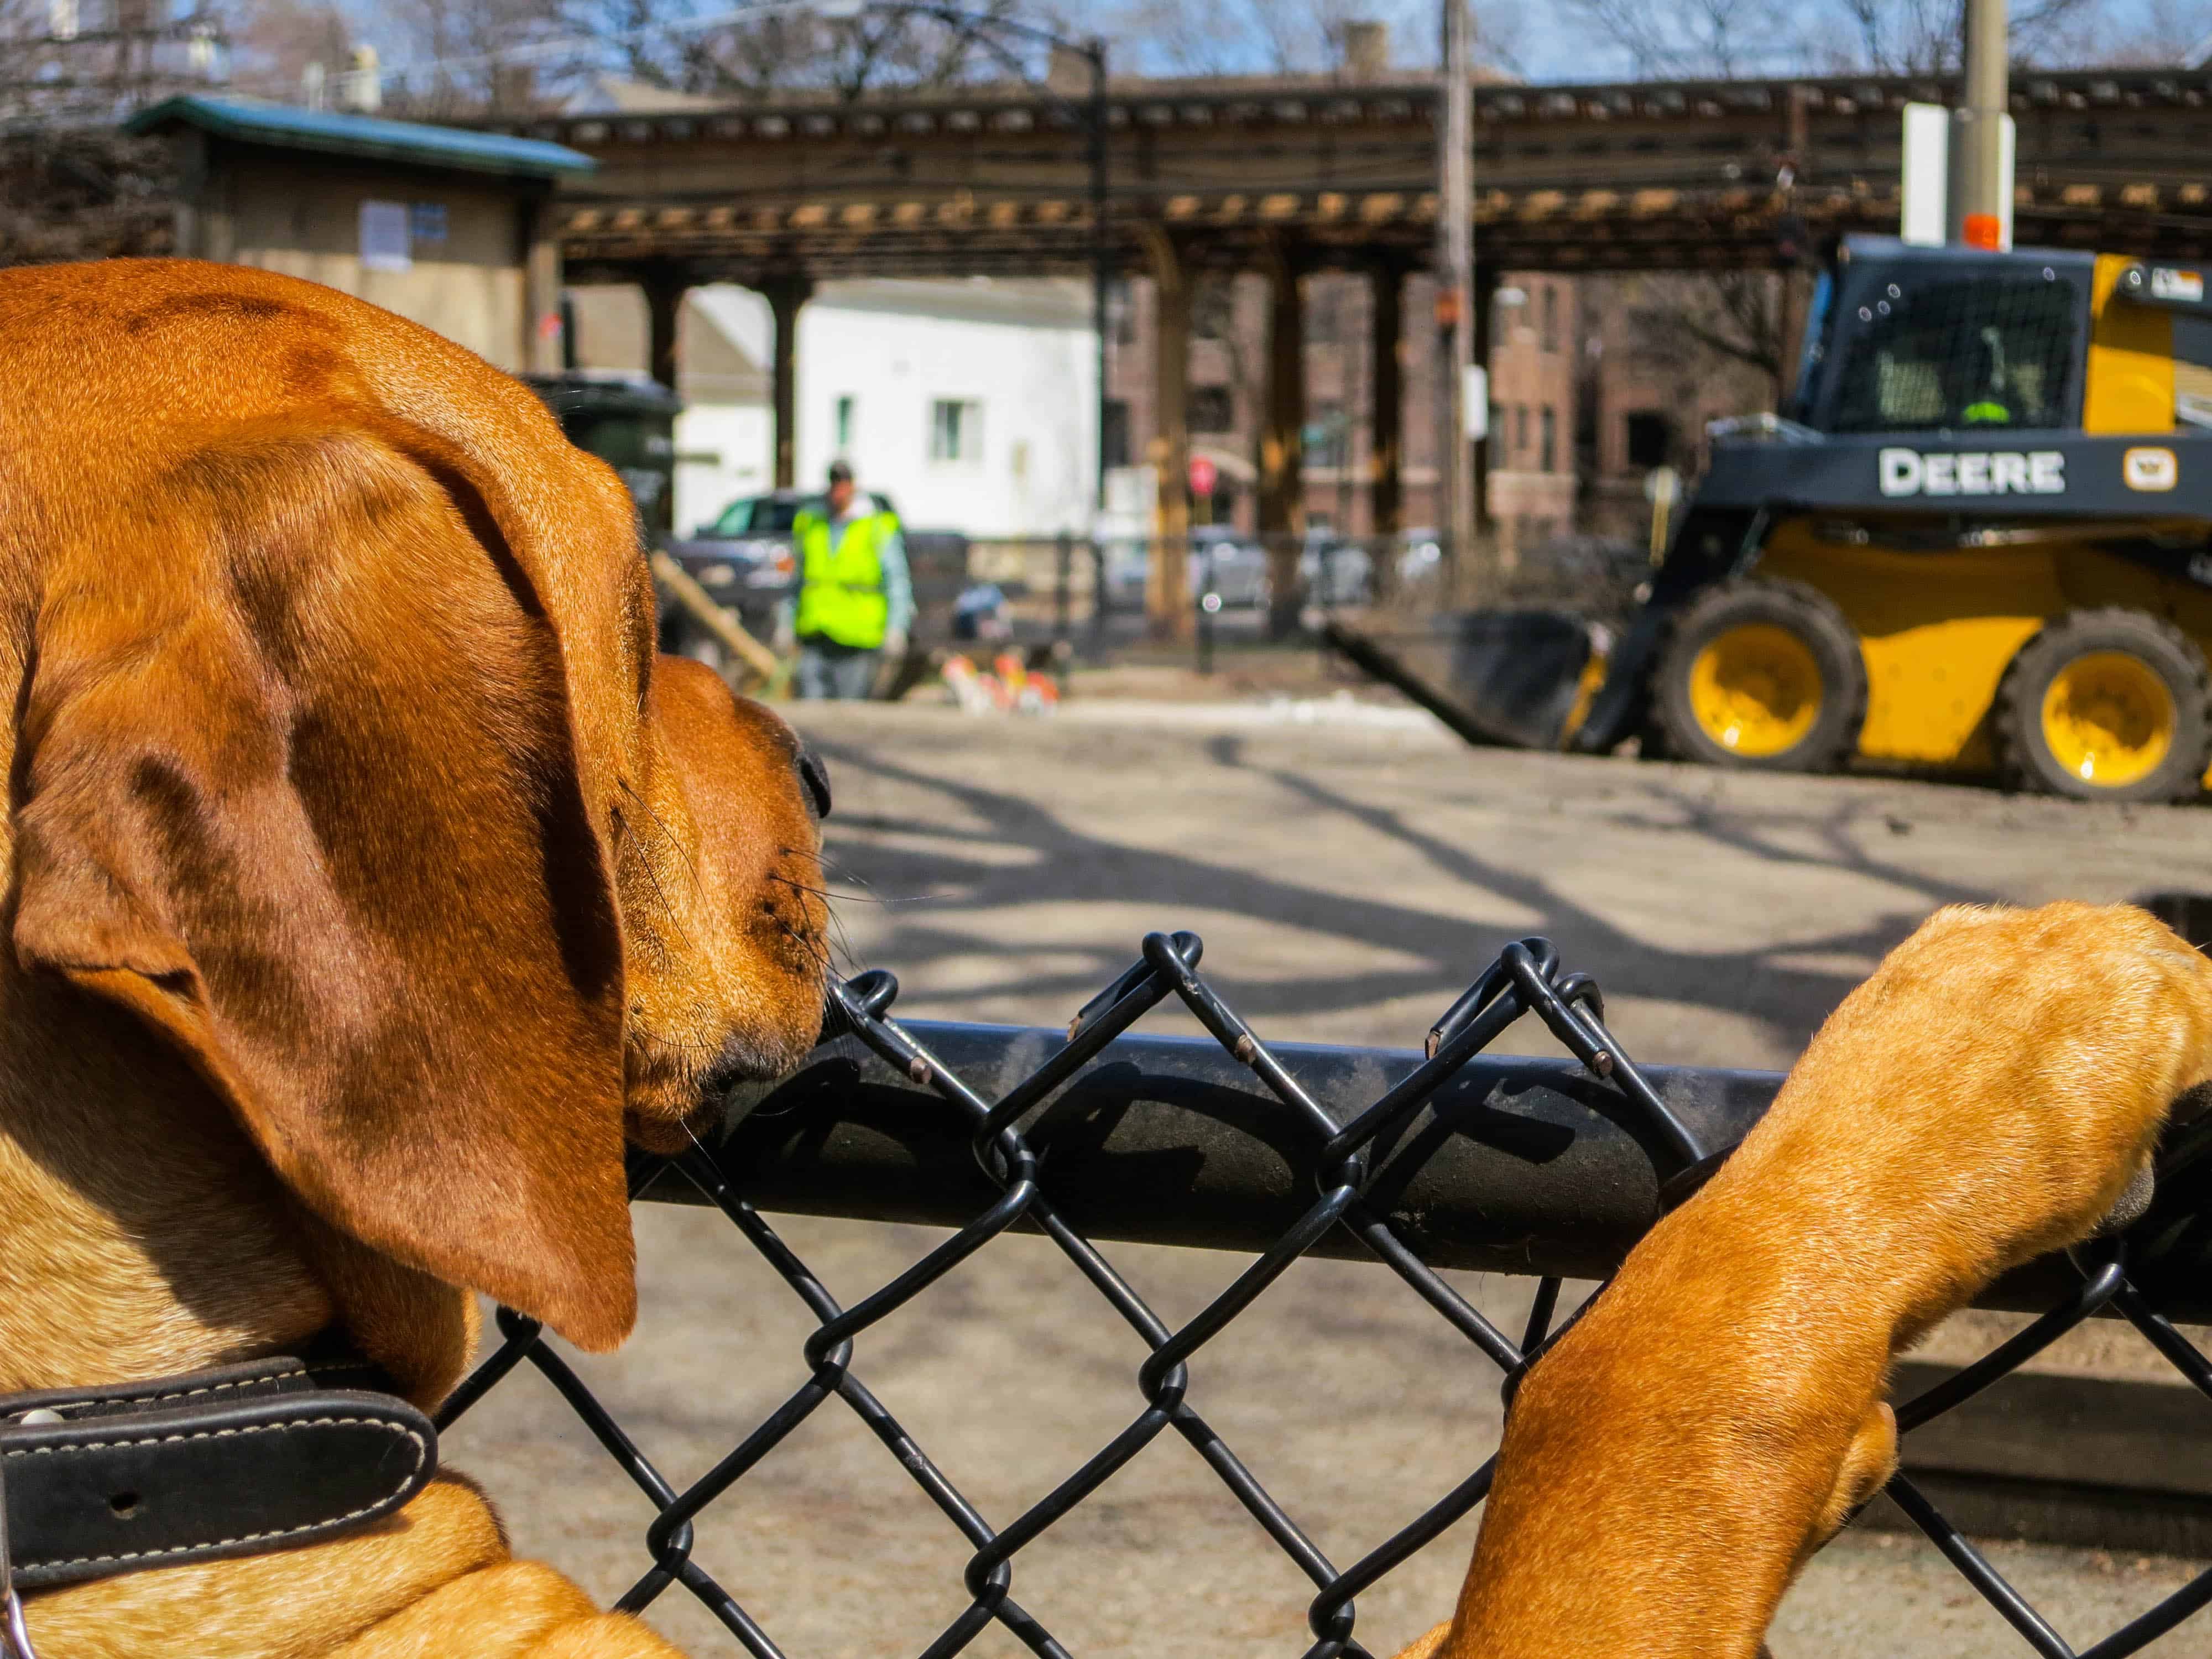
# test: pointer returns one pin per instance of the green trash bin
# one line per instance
(629, 422)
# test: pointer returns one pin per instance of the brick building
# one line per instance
(1648, 392)
(1534, 382)
(1534, 387)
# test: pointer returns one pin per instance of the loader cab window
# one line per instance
(1814, 352)
(2192, 371)
(1956, 352)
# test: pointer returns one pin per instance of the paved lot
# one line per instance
(1348, 871)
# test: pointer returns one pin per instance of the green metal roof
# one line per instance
(284, 127)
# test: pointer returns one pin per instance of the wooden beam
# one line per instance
(1386, 444)
(1167, 597)
(543, 347)
(784, 296)
(1486, 312)
(1282, 492)
(665, 287)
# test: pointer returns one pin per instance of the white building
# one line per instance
(972, 404)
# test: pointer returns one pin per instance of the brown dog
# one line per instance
(1988, 1096)
(367, 872)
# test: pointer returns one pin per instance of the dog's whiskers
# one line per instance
(825, 894)
(824, 953)
(667, 835)
(660, 898)
(840, 874)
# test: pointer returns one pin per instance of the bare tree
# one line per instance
(1672, 37)
(1688, 37)
(800, 51)
(71, 185)
(1684, 323)
(454, 59)
(1284, 37)
(272, 42)
(2149, 34)
(1927, 37)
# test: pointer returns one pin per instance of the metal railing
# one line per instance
(1447, 1158)
(1072, 577)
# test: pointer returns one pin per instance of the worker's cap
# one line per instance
(840, 472)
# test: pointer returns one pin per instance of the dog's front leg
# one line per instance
(1995, 1091)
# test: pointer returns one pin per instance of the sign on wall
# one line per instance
(1475, 403)
(384, 244)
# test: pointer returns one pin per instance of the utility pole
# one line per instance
(1102, 257)
(1455, 294)
(1981, 174)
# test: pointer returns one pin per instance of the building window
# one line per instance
(955, 431)
(1547, 458)
(1214, 310)
(1115, 441)
(1121, 311)
(385, 237)
(1327, 437)
(1521, 433)
(1650, 438)
(1550, 333)
(1212, 408)
(843, 444)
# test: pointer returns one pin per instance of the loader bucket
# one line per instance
(1512, 679)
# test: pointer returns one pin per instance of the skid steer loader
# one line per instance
(1979, 535)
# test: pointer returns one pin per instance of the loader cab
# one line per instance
(1903, 338)
(1980, 538)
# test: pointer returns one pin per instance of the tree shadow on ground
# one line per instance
(1009, 851)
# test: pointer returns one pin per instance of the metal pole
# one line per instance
(1209, 601)
(1455, 208)
(1102, 248)
(1063, 569)
(1518, 1165)
(1979, 186)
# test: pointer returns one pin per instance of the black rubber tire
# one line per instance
(1814, 618)
(2024, 757)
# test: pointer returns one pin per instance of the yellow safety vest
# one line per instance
(841, 594)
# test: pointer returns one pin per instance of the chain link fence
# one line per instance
(1314, 1179)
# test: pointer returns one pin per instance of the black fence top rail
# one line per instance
(1445, 1158)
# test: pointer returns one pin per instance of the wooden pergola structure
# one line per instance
(1286, 176)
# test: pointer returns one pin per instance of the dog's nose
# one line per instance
(816, 776)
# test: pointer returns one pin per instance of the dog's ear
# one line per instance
(300, 782)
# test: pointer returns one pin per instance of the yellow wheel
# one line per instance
(1761, 673)
(2108, 719)
(2106, 705)
(1755, 690)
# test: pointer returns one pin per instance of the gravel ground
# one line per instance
(1348, 869)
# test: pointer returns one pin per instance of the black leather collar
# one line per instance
(219, 1463)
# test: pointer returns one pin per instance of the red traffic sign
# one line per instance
(1204, 474)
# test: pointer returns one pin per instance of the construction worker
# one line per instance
(1991, 403)
(855, 597)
